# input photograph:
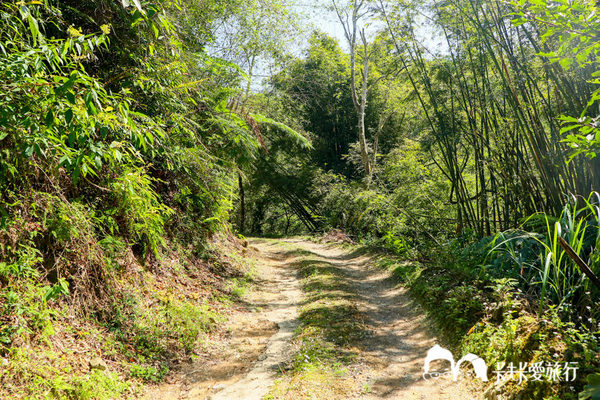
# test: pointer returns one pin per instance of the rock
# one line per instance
(262, 357)
(97, 363)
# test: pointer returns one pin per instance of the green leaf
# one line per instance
(137, 18)
(568, 128)
(72, 138)
(592, 389)
(67, 86)
(33, 27)
(29, 151)
(566, 63)
(69, 116)
(89, 102)
(550, 54)
(138, 5)
(64, 160)
(37, 149)
(566, 118)
(50, 118)
(297, 136)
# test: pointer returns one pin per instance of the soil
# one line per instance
(246, 363)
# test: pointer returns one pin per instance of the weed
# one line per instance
(99, 385)
(114, 249)
(141, 207)
(148, 373)
(238, 287)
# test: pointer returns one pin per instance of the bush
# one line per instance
(141, 209)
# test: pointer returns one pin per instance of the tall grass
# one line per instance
(554, 276)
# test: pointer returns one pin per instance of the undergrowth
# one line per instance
(153, 322)
(478, 311)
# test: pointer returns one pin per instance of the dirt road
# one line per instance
(257, 359)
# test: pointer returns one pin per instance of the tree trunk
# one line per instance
(362, 139)
(360, 105)
(242, 203)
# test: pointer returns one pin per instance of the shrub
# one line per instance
(141, 209)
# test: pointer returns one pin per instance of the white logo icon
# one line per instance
(440, 353)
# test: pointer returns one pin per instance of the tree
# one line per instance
(350, 17)
(256, 36)
(574, 25)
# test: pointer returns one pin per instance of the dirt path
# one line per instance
(279, 296)
(398, 336)
(246, 364)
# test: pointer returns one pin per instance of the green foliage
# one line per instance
(554, 274)
(454, 301)
(57, 290)
(132, 128)
(51, 382)
(120, 134)
(114, 250)
(491, 317)
(315, 91)
(257, 33)
(402, 212)
(176, 324)
(54, 110)
(25, 307)
(141, 207)
(573, 25)
(592, 389)
(25, 265)
(98, 385)
(148, 373)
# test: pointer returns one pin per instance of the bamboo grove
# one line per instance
(493, 104)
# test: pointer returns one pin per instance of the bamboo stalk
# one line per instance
(580, 263)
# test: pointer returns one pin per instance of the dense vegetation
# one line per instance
(480, 159)
(133, 133)
(120, 142)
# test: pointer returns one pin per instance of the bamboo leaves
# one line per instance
(576, 25)
(136, 3)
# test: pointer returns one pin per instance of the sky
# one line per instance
(319, 14)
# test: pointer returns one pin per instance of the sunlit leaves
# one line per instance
(296, 136)
(136, 3)
(575, 27)
(65, 116)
